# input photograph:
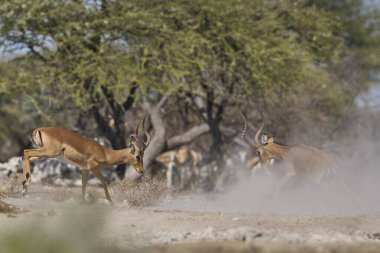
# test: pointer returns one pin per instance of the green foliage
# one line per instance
(85, 56)
(360, 28)
(77, 43)
(253, 43)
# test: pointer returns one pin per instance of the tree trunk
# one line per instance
(216, 152)
(115, 132)
(116, 137)
(159, 141)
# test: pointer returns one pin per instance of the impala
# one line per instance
(302, 162)
(185, 158)
(53, 142)
(253, 164)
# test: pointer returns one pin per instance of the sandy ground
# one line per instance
(163, 228)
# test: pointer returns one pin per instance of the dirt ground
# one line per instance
(49, 214)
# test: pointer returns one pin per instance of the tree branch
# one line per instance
(102, 124)
(157, 143)
(198, 107)
(131, 98)
(221, 107)
(31, 48)
(104, 6)
(115, 107)
(162, 101)
(239, 141)
(187, 137)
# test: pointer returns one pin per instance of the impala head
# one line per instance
(137, 147)
(260, 143)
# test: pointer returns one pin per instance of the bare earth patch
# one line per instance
(145, 192)
(10, 209)
(56, 216)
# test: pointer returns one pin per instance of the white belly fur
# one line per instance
(63, 159)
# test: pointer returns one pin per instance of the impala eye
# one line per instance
(138, 158)
(258, 153)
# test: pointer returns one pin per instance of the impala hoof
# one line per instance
(106, 202)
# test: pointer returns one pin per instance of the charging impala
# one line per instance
(304, 163)
(53, 142)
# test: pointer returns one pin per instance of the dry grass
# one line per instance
(144, 192)
(10, 188)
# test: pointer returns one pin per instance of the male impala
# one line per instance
(302, 162)
(53, 142)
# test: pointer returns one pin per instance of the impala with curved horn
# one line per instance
(302, 162)
(53, 142)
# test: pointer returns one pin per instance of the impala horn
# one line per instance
(245, 127)
(147, 135)
(136, 134)
(257, 142)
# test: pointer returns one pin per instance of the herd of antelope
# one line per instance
(302, 162)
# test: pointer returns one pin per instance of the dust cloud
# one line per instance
(354, 190)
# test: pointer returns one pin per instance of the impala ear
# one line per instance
(130, 144)
(264, 139)
(132, 139)
(270, 140)
(132, 147)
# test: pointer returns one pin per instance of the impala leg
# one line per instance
(26, 174)
(99, 175)
(84, 183)
(251, 163)
(31, 154)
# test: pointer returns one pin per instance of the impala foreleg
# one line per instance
(99, 175)
(84, 183)
(31, 155)
(252, 163)
(26, 174)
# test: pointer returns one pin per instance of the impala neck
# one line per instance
(115, 157)
(277, 151)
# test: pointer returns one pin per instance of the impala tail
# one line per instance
(36, 138)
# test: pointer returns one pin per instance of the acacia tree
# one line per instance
(217, 57)
(99, 57)
(251, 51)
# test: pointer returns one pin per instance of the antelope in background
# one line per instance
(53, 142)
(185, 159)
(305, 163)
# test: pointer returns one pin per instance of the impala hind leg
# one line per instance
(99, 175)
(31, 154)
(84, 183)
